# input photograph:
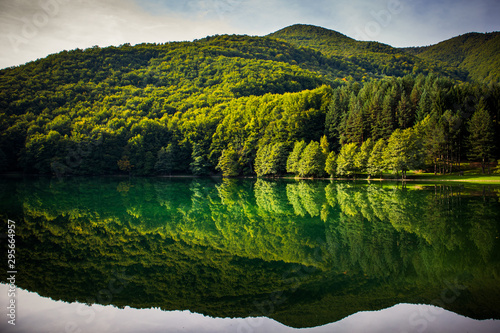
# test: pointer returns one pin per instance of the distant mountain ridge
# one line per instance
(476, 53)
(473, 56)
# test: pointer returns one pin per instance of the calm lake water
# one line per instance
(212, 255)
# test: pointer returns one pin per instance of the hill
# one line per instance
(476, 53)
(371, 58)
(222, 103)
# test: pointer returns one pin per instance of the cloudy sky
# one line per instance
(31, 29)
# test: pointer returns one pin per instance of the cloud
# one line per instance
(30, 30)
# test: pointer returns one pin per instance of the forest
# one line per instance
(303, 101)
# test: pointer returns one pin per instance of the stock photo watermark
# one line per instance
(381, 19)
(74, 158)
(32, 24)
(420, 319)
(293, 278)
(222, 8)
(11, 272)
(104, 297)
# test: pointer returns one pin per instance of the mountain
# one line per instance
(370, 58)
(211, 104)
(478, 54)
(473, 56)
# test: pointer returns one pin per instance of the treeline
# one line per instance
(234, 105)
(393, 125)
(389, 125)
(58, 110)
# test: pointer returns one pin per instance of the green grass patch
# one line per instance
(471, 175)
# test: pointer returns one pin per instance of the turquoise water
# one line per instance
(299, 253)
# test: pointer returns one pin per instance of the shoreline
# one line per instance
(435, 180)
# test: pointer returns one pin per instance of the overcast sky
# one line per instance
(31, 29)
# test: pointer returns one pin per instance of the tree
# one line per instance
(312, 162)
(325, 147)
(431, 134)
(271, 159)
(363, 155)
(424, 106)
(403, 152)
(336, 111)
(375, 112)
(481, 135)
(124, 164)
(376, 162)
(228, 163)
(200, 164)
(405, 112)
(331, 164)
(386, 123)
(165, 162)
(346, 160)
(354, 126)
(149, 163)
(292, 163)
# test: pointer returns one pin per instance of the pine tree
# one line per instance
(424, 106)
(336, 111)
(325, 147)
(405, 113)
(481, 135)
(375, 114)
(354, 130)
(386, 121)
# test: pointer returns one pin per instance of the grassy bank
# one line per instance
(468, 176)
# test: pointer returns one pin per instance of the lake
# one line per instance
(247, 255)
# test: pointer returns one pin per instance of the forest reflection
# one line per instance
(234, 248)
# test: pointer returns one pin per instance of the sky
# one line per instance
(32, 29)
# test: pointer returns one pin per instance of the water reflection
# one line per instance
(45, 315)
(302, 253)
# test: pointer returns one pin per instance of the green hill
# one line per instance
(211, 105)
(478, 54)
(371, 58)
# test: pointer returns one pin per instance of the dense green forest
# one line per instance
(304, 101)
(238, 248)
(474, 53)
